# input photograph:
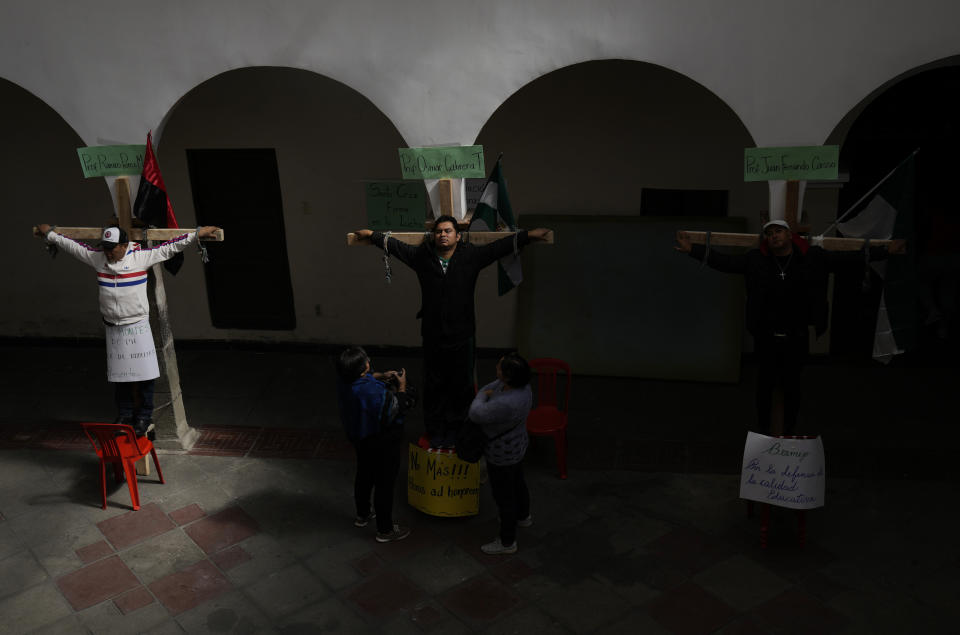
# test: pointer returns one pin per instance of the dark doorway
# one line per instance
(248, 277)
(664, 202)
(917, 112)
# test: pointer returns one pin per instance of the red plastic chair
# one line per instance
(118, 444)
(548, 417)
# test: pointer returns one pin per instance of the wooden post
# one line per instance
(792, 207)
(124, 217)
(445, 191)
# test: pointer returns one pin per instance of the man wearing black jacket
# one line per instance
(786, 282)
(447, 270)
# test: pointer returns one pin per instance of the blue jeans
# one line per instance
(134, 399)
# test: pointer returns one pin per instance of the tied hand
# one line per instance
(363, 234)
(207, 231)
(897, 247)
(683, 245)
(540, 233)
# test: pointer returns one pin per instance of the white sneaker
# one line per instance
(363, 521)
(496, 548)
(525, 522)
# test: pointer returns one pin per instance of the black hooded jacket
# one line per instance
(789, 302)
(446, 299)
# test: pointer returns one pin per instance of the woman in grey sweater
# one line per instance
(501, 409)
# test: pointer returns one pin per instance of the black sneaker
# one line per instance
(142, 426)
(399, 532)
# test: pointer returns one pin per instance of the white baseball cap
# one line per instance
(114, 236)
(778, 223)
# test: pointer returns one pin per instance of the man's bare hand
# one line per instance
(897, 247)
(683, 242)
(207, 231)
(363, 234)
(540, 233)
(41, 230)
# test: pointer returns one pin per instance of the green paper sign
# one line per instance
(395, 205)
(451, 162)
(111, 160)
(802, 163)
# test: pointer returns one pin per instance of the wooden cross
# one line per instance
(446, 208)
(171, 425)
(792, 214)
(730, 239)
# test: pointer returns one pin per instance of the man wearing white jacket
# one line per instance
(122, 279)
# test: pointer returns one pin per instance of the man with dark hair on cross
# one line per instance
(447, 271)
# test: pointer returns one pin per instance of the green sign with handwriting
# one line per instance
(801, 163)
(111, 160)
(450, 162)
(395, 205)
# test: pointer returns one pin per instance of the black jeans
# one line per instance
(448, 388)
(512, 496)
(780, 362)
(378, 460)
(134, 399)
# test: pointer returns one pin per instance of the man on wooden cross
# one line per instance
(447, 271)
(122, 278)
(786, 281)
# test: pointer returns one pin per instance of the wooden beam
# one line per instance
(792, 205)
(834, 243)
(726, 239)
(445, 192)
(124, 219)
(156, 235)
(415, 238)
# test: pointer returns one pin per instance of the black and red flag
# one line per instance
(152, 205)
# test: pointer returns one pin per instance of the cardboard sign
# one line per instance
(783, 472)
(802, 163)
(449, 162)
(111, 160)
(131, 355)
(474, 192)
(395, 205)
(442, 484)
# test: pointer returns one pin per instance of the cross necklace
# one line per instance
(783, 268)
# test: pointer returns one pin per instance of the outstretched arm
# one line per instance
(839, 259)
(79, 250)
(403, 251)
(721, 262)
(504, 246)
(171, 248)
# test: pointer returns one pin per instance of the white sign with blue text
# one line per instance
(784, 472)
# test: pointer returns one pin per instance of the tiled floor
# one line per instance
(252, 531)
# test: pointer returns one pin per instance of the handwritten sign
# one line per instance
(111, 160)
(442, 484)
(449, 162)
(399, 205)
(131, 355)
(783, 472)
(801, 163)
(474, 192)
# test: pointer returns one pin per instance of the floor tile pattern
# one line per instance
(128, 529)
(96, 582)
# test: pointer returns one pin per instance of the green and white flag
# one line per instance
(889, 213)
(494, 209)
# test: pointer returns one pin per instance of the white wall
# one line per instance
(438, 70)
